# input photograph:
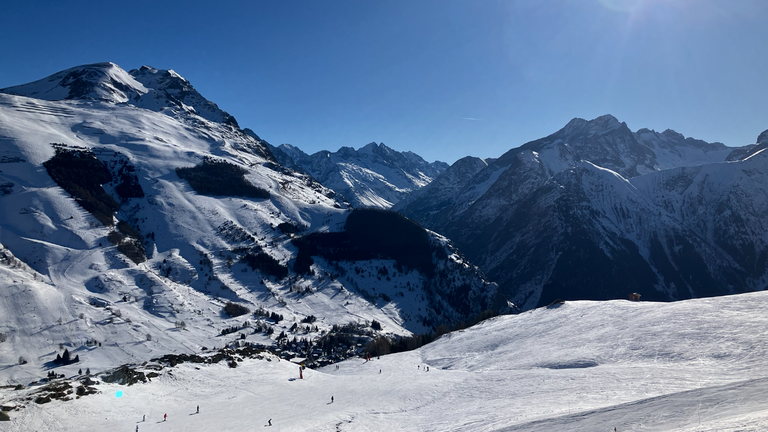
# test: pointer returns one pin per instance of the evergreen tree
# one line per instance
(79, 371)
(65, 357)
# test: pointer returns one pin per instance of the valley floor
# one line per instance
(697, 365)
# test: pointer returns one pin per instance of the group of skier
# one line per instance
(165, 417)
(269, 422)
(197, 411)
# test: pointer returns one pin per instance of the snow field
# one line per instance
(697, 365)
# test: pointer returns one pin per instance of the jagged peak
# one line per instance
(160, 79)
(149, 69)
(668, 134)
(371, 148)
(673, 134)
(671, 139)
(374, 148)
(601, 124)
(344, 152)
(575, 122)
(169, 89)
(606, 118)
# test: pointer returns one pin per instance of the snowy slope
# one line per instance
(372, 176)
(202, 250)
(696, 365)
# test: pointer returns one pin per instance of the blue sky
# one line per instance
(442, 78)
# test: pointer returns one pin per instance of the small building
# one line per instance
(634, 297)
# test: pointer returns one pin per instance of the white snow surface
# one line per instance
(696, 365)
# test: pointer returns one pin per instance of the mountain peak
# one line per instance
(606, 119)
(763, 137)
(160, 78)
(371, 147)
(98, 81)
(602, 124)
(149, 69)
(146, 87)
(673, 134)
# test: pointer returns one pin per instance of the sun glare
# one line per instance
(635, 6)
(622, 5)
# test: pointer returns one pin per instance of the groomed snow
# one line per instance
(697, 365)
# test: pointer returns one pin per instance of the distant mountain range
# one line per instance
(596, 211)
(373, 176)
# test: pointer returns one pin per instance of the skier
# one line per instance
(270, 422)
(144, 418)
(198, 409)
(379, 370)
(137, 428)
(331, 399)
(165, 416)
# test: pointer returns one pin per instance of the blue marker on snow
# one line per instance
(119, 394)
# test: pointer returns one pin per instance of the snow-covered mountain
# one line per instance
(595, 211)
(133, 212)
(373, 176)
